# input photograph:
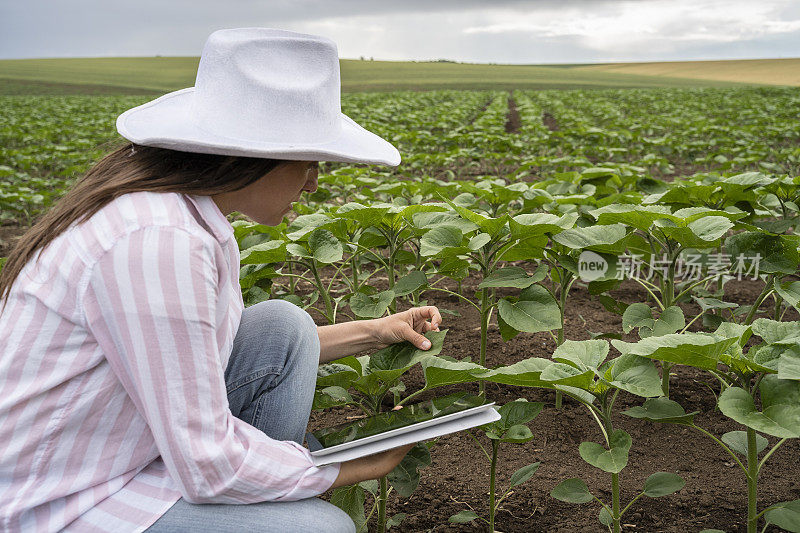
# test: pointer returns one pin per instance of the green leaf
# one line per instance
(395, 520)
(519, 411)
(489, 225)
(403, 355)
(515, 277)
(325, 247)
(330, 397)
(365, 216)
(663, 483)
(662, 410)
(535, 311)
(583, 355)
(710, 228)
(523, 474)
(612, 460)
(637, 315)
(525, 373)
(479, 241)
(639, 217)
(537, 224)
(350, 499)
(777, 253)
(774, 332)
(405, 477)
(410, 283)
(635, 374)
(670, 321)
(338, 373)
(582, 238)
(563, 374)
(780, 401)
(572, 491)
(700, 350)
(506, 331)
(605, 517)
(463, 517)
(790, 292)
(737, 441)
(611, 304)
(266, 252)
(785, 515)
(439, 372)
(371, 306)
(440, 239)
(517, 434)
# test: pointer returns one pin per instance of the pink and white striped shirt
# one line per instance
(113, 348)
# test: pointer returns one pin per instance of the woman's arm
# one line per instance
(151, 304)
(348, 338)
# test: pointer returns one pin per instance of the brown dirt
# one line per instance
(8, 236)
(550, 121)
(513, 120)
(715, 494)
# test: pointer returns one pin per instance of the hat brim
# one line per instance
(167, 122)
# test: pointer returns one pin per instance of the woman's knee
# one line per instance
(285, 324)
(329, 518)
(281, 314)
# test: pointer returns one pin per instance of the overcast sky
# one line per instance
(501, 31)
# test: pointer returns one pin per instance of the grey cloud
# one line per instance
(412, 29)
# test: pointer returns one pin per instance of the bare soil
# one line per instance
(513, 120)
(715, 494)
(8, 236)
(550, 121)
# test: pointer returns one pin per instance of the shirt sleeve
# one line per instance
(151, 302)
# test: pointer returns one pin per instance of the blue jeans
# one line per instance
(270, 381)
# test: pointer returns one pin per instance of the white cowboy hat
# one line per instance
(260, 92)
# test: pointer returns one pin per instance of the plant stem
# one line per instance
(769, 453)
(724, 447)
(768, 288)
(566, 282)
(382, 505)
(485, 309)
(615, 514)
(390, 272)
(777, 313)
(326, 297)
(752, 481)
(292, 280)
(665, 367)
(354, 269)
(492, 477)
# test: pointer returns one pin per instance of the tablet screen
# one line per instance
(383, 422)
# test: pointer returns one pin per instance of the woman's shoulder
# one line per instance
(134, 212)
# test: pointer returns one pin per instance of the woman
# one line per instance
(133, 384)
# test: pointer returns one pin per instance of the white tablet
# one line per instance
(412, 423)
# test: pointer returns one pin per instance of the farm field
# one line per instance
(623, 260)
(765, 71)
(156, 75)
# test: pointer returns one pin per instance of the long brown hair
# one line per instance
(132, 168)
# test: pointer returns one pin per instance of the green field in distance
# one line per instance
(155, 75)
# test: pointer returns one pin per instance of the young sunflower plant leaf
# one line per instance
(572, 491)
(662, 484)
(611, 460)
(737, 441)
(780, 402)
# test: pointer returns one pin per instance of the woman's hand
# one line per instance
(408, 326)
(370, 467)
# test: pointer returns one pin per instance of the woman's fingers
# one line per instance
(429, 316)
